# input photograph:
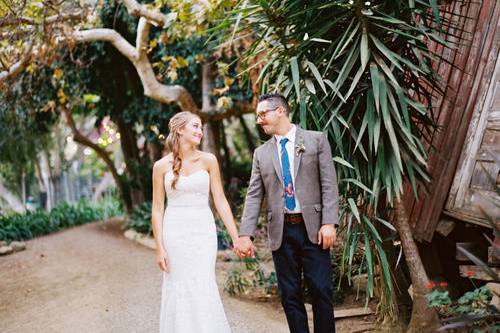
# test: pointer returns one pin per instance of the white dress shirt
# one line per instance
(290, 145)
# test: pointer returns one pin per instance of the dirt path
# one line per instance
(91, 279)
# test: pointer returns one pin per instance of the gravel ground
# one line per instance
(91, 279)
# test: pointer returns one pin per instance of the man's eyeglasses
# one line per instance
(262, 114)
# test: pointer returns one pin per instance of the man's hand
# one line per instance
(327, 235)
(244, 248)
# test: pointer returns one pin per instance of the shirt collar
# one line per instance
(290, 135)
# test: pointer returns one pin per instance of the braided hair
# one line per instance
(177, 122)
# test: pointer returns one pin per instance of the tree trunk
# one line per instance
(210, 141)
(226, 165)
(11, 199)
(23, 187)
(43, 160)
(105, 182)
(423, 318)
(248, 134)
(104, 155)
(128, 143)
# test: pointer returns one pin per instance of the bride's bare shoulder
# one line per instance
(207, 157)
(209, 161)
(164, 163)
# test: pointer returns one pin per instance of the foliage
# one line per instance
(240, 282)
(140, 219)
(473, 310)
(223, 237)
(236, 283)
(473, 304)
(40, 222)
(24, 123)
(361, 72)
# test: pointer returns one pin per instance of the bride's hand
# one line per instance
(162, 260)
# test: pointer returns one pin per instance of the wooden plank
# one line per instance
(481, 58)
(475, 248)
(354, 312)
(458, 11)
(475, 272)
(488, 153)
(484, 176)
(445, 226)
(436, 159)
(471, 217)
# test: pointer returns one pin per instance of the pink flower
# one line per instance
(469, 274)
(443, 284)
(430, 285)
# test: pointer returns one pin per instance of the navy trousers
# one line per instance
(296, 255)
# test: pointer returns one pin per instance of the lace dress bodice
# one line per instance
(192, 190)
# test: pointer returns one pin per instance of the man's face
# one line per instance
(268, 117)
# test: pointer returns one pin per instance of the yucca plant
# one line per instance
(360, 71)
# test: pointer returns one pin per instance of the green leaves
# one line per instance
(40, 222)
(295, 75)
(317, 75)
(358, 77)
(365, 51)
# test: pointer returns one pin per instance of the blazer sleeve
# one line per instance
(253, 201)
(329, 186)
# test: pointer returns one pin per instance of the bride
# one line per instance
(185, 232)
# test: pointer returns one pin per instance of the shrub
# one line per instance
(140, 219)
(40, 222)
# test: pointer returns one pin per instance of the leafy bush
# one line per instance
(223, 238)
(40, 222)
(473, 309)
(140, 219)
(254, 277)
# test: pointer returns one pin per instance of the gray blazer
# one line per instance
(315, 187)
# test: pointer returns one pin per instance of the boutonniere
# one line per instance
(300, 148)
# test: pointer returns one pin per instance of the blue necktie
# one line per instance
(287, 176)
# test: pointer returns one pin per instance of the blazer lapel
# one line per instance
(299, 140)
(276, 162)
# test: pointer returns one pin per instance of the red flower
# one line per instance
(430, 285)
(443, 284)
(469, 274)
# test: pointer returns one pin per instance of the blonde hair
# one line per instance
(179, 121)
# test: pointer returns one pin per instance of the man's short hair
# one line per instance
(275, 100)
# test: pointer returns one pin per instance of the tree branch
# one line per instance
(142, 38)
(19, 66)
(82, 139)
(107, 35)
(152, 87)
(137, 55)
(239, 108)
(155, 17)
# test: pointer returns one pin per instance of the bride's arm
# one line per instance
(220, 201)
(157, 213)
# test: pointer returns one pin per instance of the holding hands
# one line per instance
(243, 247)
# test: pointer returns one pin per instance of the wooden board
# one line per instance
(459, 113)
(354, 312)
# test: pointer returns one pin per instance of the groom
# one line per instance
(294, 172)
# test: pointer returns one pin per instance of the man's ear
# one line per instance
(281, 110)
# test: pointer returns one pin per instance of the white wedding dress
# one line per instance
(190, 299)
